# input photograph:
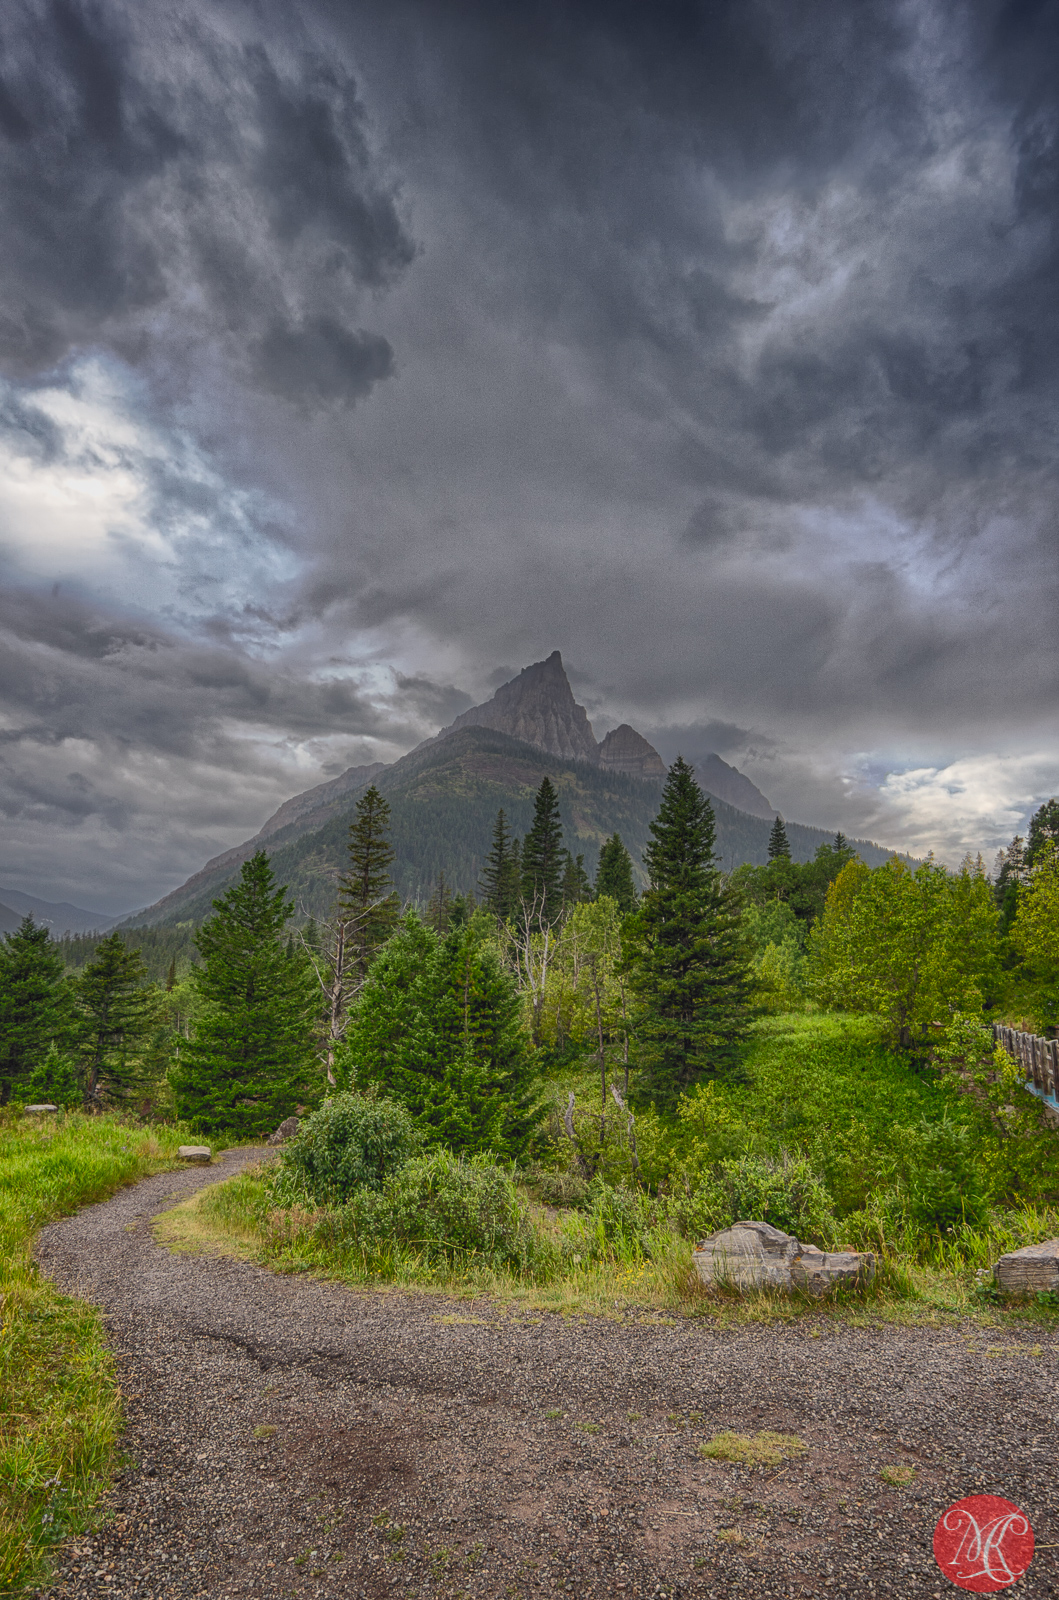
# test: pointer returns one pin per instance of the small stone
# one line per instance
(1028, 1271)
(286, 1130)
(196, 1154)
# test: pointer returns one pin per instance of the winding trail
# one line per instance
(288, 1437)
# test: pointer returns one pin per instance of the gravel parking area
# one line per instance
(287, 1437)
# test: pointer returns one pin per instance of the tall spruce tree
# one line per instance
(542, 860)
(35, 1006)
(366, 904)
(614, 874)
(501, 872)
(576, 888)
(251, 1057)
(1044, 829)
(118, 1012)
(684, 951)
(439, 907)
(778, 845)
(438, 1027)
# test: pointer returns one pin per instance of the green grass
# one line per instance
(59, 1402)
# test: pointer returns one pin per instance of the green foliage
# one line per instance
(778, 846)
(118, 1014)
(685, 953)
(438, 1027)
(907, 946)
(614, 875)
(542, 861)
(502, 874)
(250, 1059)
(353, 1141)
(167, 948)
(800, 886)
(1044, 832)
(369, 909)
(1035, 933)
(783, 1190)
(35, 1007)
(448, 1208)
(575, 888)
(938, 1175)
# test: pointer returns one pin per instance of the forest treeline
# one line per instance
(457, 1011)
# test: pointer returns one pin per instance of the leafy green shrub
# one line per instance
(938, 1178)
(783, 1191)
(354, 1141)
(449, 1208)
(616, 1223)
(563, 1189)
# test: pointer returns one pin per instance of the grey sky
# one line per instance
(351, 354)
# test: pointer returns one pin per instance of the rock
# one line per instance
(755, 1255)
(286, 1130)
(1029, 1270)
(39, 1111)
(195, 1154)
(539, 708)
(625, 750)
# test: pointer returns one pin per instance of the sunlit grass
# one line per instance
(59, 1402)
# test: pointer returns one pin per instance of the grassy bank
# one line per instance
(59, 1403)
(825, 1134)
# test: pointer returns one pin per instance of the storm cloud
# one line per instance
(354, 352)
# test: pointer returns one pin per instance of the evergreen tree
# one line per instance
(542, 860)
(369, 910)
(614, 874)
(118, 1013)
(35, 1014)
(251, 1058)
(778, 845)
(841, 844)
(576, 888)
(1044, 829)
(170, 980)
(439, 908)
(502, 871)
(439, 1029)
(685, 954)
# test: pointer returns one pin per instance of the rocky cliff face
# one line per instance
(539, 708)
(625, 750)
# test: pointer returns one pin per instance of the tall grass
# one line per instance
(59, 1402)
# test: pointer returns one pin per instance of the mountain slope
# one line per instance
(444, 797)
(537, 707)
(59, 916)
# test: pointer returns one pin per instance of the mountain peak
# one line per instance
(539, 708)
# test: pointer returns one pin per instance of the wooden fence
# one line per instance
(1039, 1059)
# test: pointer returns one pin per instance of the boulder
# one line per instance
(755, 1255)
(286, 1130)
(1029, 1270)
(39, 1111)
(195, 1154)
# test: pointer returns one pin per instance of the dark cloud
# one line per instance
(714, 343)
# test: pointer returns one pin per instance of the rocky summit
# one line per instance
(539, 708)
(625, 750)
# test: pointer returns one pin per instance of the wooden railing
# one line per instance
(1039, 1059)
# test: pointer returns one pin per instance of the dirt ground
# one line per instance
(287, 1437)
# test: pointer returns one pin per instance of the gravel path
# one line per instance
(293, 1438)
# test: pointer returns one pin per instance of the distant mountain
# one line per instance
(625, 750)
(538, 708)
(59, 916)
(9, 920)
(729, 784)
(444, 797)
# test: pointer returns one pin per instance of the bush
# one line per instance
(450, 1208)
(938, 1178)
(353, 1142)
(785, 1192)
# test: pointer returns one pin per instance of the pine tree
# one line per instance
(778, 845)
(251, 1058)
(542, 861)
(841, 843)
(1044, 828)
(118, 1013)
(35, 1012)
(684, 949)
(439, 908)
(576, 887)
(614, 874)
(502, 871)
(170, 981)
(439, 1029)
(369, 910)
